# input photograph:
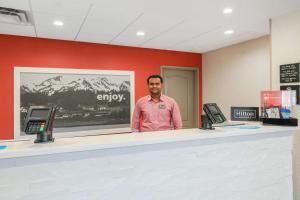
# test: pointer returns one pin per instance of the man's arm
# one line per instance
(177, 122)
(136, 118)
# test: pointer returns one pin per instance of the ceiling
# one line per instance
(181, 25)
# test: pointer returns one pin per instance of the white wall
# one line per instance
(285, 41)
(235, 75)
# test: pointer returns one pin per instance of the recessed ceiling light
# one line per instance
(227, 11)
(58, 23)
(140, 33)
(228, 32)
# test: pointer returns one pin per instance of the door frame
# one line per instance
(196, 88)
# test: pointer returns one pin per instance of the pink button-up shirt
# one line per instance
(156, 116)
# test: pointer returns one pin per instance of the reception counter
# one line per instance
(252, 162)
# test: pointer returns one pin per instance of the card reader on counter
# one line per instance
(39, 121)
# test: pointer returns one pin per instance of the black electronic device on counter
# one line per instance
(214, 113)
(39, 121)
(206, 123)
(216, 117)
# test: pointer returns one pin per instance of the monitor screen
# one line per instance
(39, 113)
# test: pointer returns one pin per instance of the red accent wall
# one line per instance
(36, 52)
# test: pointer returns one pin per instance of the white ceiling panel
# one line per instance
(179, 8)
(101, 31)
(15, 4)
(216, 40)
(128, 41)
(78, 8)
(229, 41)
(155, 22)
(154, 25)
(46, 29)
(190, 25)
(106, 21)
(214, 37)
(129, 35)
(116, 10)
(180, 34)
(12, 29)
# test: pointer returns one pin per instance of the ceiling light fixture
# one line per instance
(58, 23)
(227, 11)
(228, 32)
(140, 33)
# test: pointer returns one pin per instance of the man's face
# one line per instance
(154, 86)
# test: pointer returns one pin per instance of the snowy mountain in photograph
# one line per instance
(58, 85)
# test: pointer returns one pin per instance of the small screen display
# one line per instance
(39, 113)
(213, 109)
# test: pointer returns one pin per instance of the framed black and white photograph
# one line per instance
(87, 102)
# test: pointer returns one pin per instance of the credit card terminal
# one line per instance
(214, 113)
(39, 120)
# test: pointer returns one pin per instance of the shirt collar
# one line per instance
(162, 98)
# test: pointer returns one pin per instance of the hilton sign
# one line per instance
(244, 114)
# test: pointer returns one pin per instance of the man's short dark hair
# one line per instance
(155, 76)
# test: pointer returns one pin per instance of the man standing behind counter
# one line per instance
(156, 111)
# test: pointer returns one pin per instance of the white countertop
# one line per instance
(64, 145)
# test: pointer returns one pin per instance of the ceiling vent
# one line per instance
(14, 16)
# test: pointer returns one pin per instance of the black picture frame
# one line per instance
(289, 73)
